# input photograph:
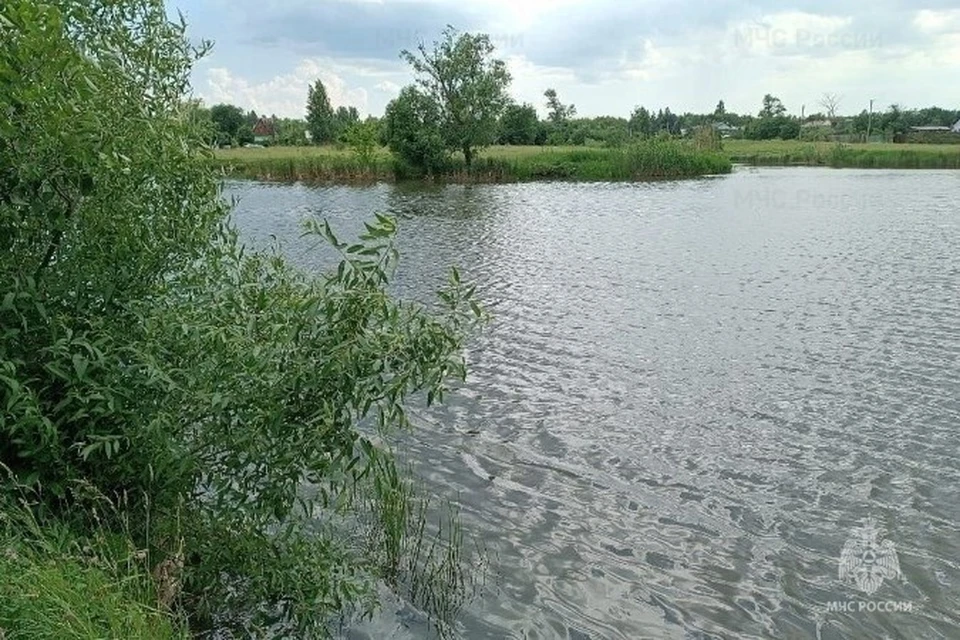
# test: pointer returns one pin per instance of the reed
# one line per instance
(871, 156)
(650, 159)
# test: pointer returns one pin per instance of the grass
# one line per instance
(56, 585)
(873, 155)
(648, 160)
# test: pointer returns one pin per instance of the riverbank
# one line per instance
(649, 160)
(831, 154)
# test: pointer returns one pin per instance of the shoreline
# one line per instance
(646, 162)
(654, 160)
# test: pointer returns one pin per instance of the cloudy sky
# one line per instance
(605, 56)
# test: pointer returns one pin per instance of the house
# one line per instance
(264, 131)
(931, 134)
(725, 129)
(818, 124)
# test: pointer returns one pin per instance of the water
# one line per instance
(690, 396)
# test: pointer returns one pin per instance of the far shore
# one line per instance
(525, 163)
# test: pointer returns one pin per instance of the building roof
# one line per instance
(956, 127)
(938, 128)
(264, 127)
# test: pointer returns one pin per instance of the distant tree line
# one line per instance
(459, 104)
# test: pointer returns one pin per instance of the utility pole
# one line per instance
(870, 120)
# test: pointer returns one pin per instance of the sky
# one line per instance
(604, 56)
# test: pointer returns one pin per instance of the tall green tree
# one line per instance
(641, 123)
(228, 120)
(772, 107)
(291, 132)
(468, 85)
(557, 111)
(343, 119)
(362, 138)
(320, 116)
(411, 129)
(519, 124)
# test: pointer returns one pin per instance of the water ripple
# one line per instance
(690, 395)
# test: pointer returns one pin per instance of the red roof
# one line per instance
(263, 127)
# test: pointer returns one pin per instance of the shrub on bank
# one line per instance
(212, 393)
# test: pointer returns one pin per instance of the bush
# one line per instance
(411, 131)
(707, 138)
(215, 393)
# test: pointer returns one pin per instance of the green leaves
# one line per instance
(467, 86)
(221, 396)
(320, 115)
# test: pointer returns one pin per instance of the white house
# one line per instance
(725, 129)
(956, 127)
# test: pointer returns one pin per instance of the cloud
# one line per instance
(388, 87)
(284, 95)
(938, 22)
(352, 28)
(604, 55)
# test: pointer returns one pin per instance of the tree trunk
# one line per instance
(468, 155)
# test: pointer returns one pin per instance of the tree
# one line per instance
(291, 132)
(641, 124)
(666, 121)
(343, 119)
(519, 124)
(772, 107)
(721, 109)
(543, 133)
(164, 388)
(830, 102)
(227, 119)
(467, 84)
(558, 112)
(789, 129)
(320, 117)
(412, 131)
(362, 138)
(861, 122)
(894, 120)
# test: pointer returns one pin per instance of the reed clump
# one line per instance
(644, 160)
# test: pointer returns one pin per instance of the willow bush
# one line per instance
(224, 403)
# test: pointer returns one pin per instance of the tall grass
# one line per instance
(904, 158)
(416, 543)
(58, 585)
(879, 156)
(646, 160)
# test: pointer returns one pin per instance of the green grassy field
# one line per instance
(873, 155)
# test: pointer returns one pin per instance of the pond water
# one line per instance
(691, 396)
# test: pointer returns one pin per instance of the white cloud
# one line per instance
(796, 32)
(388, 87)
(284, 95)
(935, 22)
